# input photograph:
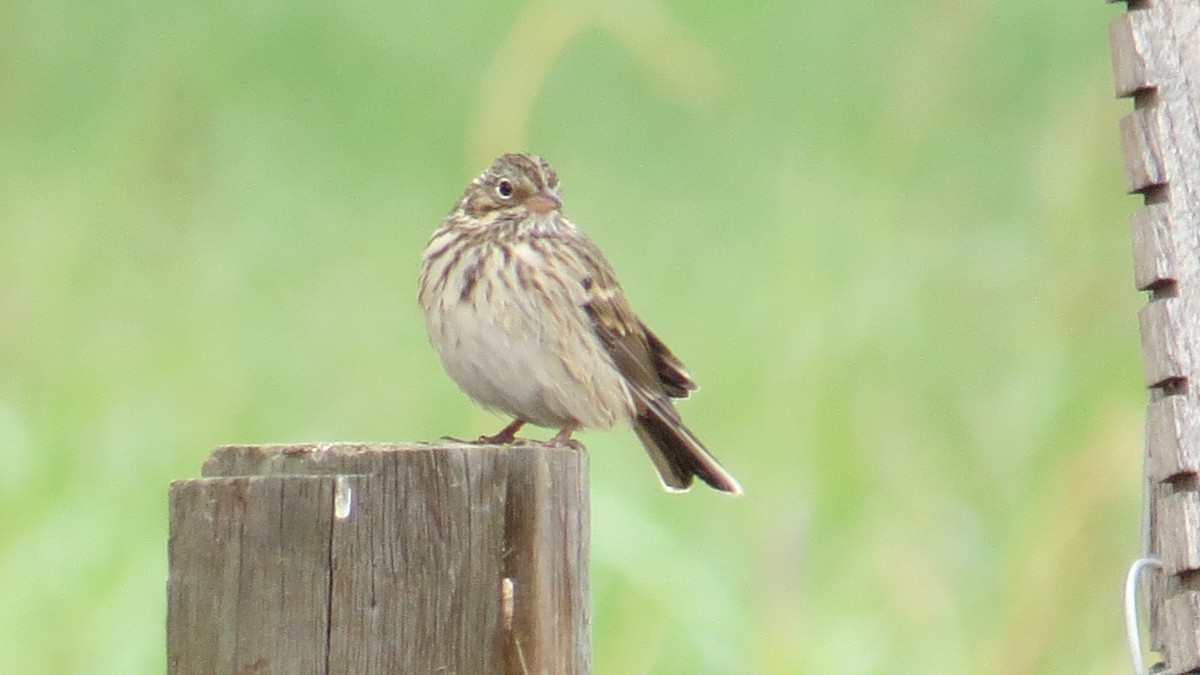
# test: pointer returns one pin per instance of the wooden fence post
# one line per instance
(381, 558)
(1156, 61)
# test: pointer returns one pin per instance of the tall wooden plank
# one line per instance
(1156, 61)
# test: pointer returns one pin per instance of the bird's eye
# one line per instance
(504, 189)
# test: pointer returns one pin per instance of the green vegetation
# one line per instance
(889, 239)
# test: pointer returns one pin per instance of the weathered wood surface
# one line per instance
(381, 558)
(1156, 61)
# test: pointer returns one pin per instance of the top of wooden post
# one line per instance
(315, 458)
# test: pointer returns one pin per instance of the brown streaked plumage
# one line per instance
(529, 319)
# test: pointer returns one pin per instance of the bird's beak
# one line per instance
(544, 202)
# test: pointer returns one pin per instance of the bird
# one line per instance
(528, 318)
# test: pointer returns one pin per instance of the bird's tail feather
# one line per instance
(676, 452)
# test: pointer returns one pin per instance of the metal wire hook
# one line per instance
(1132, 634)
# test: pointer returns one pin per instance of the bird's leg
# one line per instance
(563, 437)
(507, 435)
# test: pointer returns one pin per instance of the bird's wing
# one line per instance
(638, 353)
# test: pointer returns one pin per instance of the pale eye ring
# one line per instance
(505, 189)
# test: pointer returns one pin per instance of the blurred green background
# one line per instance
(888, 238)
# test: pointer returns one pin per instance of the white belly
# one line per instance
(515, 354)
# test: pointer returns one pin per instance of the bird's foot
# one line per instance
(507, 435)
(563, 438)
